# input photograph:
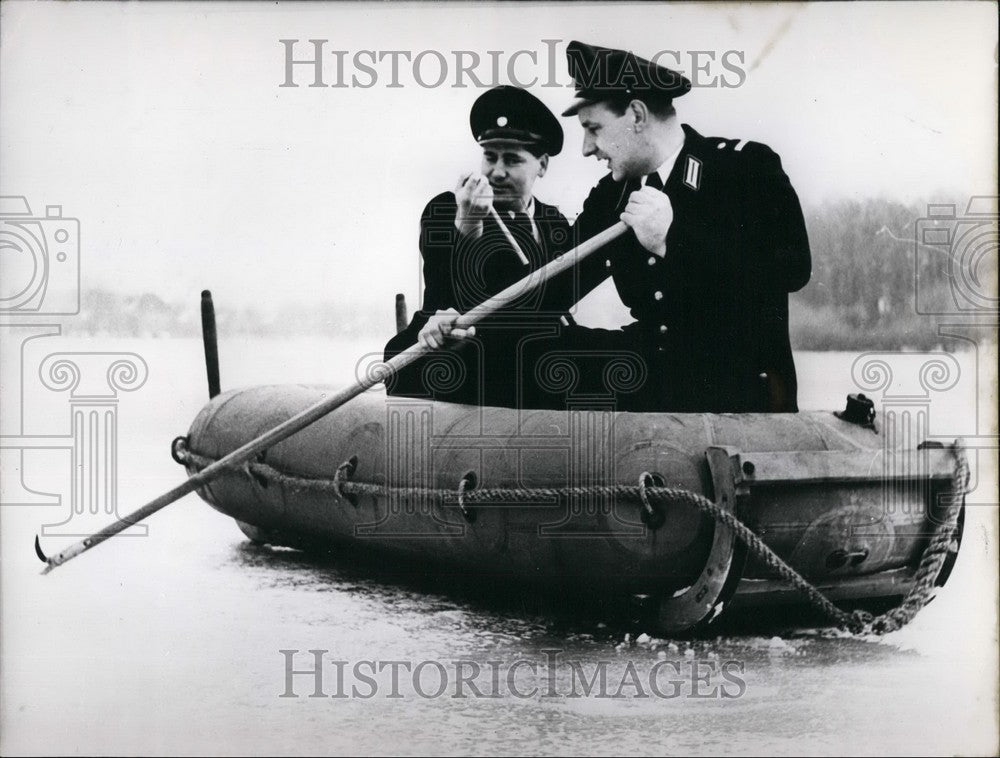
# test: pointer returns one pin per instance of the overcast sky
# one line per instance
(162, 127)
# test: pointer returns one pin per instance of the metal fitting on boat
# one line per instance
(860, 410)
(468, 482)
(178, 445)
(345, 471)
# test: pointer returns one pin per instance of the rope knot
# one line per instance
(858, 621)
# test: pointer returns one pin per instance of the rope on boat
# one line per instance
(857, 621)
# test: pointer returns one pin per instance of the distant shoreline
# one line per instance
(812, 327)
(805, 338)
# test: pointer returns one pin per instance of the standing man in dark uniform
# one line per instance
(486, 235)
(718, 241)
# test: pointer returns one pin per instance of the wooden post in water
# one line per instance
(210, 339)
(401, 319)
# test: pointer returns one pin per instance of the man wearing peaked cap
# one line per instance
(487, 234)
(511, 115)
(603, 73)
(718, 241)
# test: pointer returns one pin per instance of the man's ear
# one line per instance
(640, 115)
(543, 165)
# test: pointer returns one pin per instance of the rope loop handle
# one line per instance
(650, 516)
(345, 470)
(467, 513)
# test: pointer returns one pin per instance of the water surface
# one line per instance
(170, 643)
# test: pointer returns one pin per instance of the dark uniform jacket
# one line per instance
(711, 317)
(460, 272)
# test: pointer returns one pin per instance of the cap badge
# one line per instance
(502, 121)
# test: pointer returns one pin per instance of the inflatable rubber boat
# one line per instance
(689, 514)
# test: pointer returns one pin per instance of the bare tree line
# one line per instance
(884, 275)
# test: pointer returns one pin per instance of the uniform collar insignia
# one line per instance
(692, 172)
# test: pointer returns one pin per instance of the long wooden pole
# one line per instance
(315, 412)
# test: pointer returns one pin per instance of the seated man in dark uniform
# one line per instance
(486, 235)
(717, 242)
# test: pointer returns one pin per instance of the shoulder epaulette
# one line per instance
(727, 145)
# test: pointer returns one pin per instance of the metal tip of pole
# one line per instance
(49, 564)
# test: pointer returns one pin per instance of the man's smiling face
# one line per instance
(611, 137)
